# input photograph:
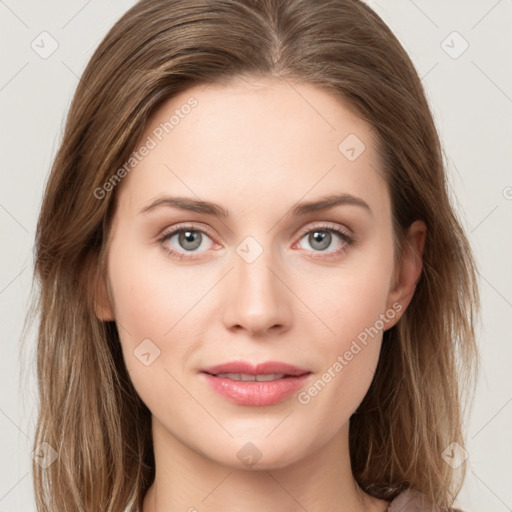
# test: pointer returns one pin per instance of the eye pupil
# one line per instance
(322, 237)
(190, 240)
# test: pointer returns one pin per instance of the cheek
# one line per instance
(353, 298)
(353, 304)
(353, 348)
(150, 308)
(153, 307)
(150, 298)
(350, 355)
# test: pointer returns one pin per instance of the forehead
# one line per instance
(255, 143)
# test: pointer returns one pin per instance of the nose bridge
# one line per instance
(257, 301)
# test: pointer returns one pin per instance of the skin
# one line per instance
(256, 148)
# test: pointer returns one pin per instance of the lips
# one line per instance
(242, 367)
(245, 377)
(262, 384)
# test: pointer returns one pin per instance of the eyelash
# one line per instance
(347, 240)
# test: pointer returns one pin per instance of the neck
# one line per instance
(185, 480)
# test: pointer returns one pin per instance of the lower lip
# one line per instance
(256, 393)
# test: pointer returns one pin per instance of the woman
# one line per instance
(254, 291)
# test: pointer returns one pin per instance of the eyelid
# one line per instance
(349, 234)
(346, 234)
(306, 229)
(183, 226)
(171, 231)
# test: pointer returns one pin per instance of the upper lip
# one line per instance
(258, 369)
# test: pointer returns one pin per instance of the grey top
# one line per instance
(413, 501)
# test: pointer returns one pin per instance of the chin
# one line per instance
(262, 454)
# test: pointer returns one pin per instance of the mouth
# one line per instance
(255, 385)
(245, 377)
(247, 369)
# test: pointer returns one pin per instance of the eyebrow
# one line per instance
(216, 210)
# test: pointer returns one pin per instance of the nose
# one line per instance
(257, 298)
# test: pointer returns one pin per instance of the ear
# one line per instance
(408, 271)
(97, 285)
(102, 303)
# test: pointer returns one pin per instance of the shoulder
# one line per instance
(414, 501)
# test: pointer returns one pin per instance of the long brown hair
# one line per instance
(90, 413)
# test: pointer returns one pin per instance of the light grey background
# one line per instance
(471, 97)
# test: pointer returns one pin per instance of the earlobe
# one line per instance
(98, 289)
(409, 270)
(102, 303)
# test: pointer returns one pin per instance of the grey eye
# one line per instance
(320, 239)
(190, 240)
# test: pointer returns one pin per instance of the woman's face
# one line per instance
(272, 273)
